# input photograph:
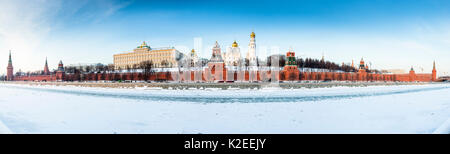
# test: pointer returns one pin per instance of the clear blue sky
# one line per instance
(391, 34)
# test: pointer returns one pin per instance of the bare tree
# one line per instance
(146, 67)
(164, 63)
(128, 68)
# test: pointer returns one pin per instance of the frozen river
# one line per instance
(376, 109)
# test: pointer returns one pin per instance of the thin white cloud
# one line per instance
(25, 24)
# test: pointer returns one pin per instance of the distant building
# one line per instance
(161, 57)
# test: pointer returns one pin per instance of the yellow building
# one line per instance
(161, 57)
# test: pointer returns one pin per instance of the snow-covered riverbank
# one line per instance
(377, 109)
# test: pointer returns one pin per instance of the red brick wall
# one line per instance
(320, 76)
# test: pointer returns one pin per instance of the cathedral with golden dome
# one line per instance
(232, 56)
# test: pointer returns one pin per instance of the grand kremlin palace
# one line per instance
(161, 57)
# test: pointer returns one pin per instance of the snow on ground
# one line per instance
(377, 109)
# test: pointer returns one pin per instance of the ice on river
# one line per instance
(375, 109)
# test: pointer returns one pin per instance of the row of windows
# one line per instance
(129, 57)
(124, 66)
(142, 59)
(137, 62)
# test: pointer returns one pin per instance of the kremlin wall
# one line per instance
(221, 67)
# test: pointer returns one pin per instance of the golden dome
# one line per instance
(192, 52)
(252, 35)
(235, 44)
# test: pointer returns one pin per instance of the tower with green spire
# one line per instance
(290, 70)
(290, 58)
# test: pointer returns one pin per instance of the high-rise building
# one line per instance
(9, 69)
(160, 57)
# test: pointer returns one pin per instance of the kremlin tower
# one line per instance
(433, 74)
(362, 66)
(46, 71)
(9, 73)
(60, 73)
(216, 64)
(362, 74)
(60, 66)
(290, 69)
(290, 57)
(216, 55)
(412, 75)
